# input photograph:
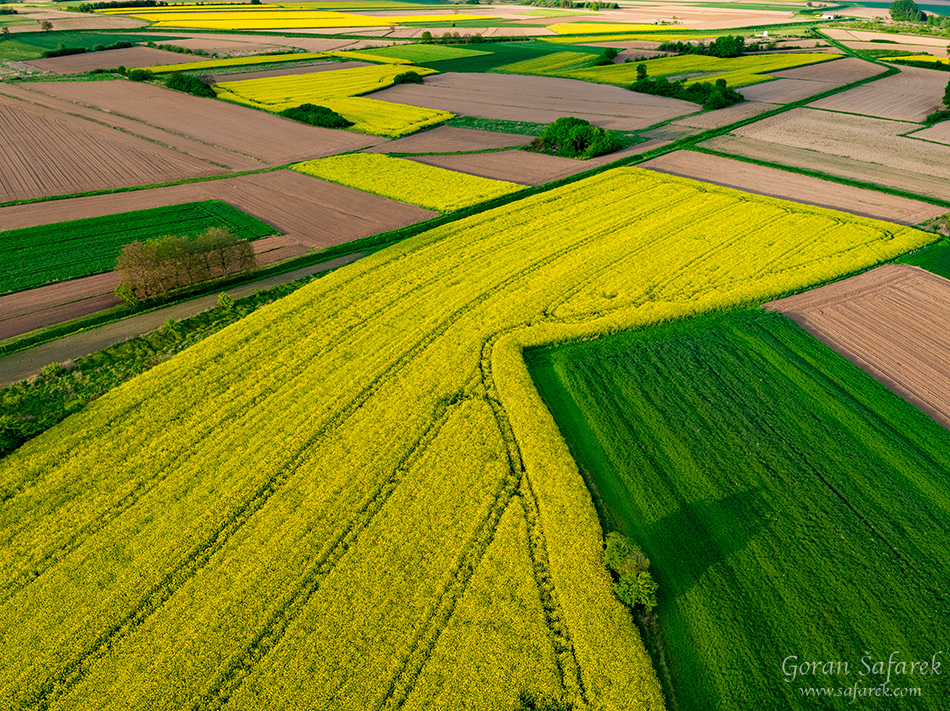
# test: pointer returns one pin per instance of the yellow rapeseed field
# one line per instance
(236, 62)
(918, 58)
(339, 90)
(332, 502)
(407, 181)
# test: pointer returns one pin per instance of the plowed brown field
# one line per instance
(449, 139)
(785, 91)
(894, 323)
(258, 134)
(838, 72)
(939, 133)
(793, 186)
(908, 96)
(45, 152)
(130, 57)
(287, 71)
(723, 117)
(539, 99)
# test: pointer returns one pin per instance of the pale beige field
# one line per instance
(287, 71)
(449, 139)
(911, 48)
(539, 99)
(873, 173)
(794, 186)
(908, 96)
(839, 72)
(785, 91)
(130, 57)
(528, 168)
(939, 133)
(865, 36)
(265, 137)
(723, 117)
(894, 323)
(871, 140)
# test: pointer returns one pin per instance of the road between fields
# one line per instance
(20, 365)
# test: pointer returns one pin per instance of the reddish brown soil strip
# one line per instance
(527, 168)
(131, 57)
(448, 139)
(537, 99)
(864, 36)
(838, 71)
(258, 134)
(18, 366)
(894, 323)
(287, 71)
(784, 91)
(310, 213)
(45, 152)
(905, 180)
(908, 96)
(793, 186)
(723, 117)
(188, 146)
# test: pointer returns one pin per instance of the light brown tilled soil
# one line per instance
(939, 133)
(723, 117)
(45, 152)
(288, 71)
(839, 71)
(894, 323)
(258, 134)
(784, 91)
(130, 58)
(449, 139)
(539, 99)
(906, 180)
(910, 48)
(908, 96)
(793, 186)
(527, 168)
(865, 36)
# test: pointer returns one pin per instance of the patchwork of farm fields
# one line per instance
(61, 251)
(294, 454)
(352, 495)
(789, 493)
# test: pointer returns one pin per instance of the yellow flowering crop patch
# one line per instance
(339, 90)
(407, 181)
(918, 58)
(226, 18)
(237, 62)
(737, 71)
(294, 509)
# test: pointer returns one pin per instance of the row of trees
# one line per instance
(158, 266)
(710, 96)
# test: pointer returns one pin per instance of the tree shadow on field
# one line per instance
(702, 534)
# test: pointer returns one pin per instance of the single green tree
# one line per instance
(906, 11)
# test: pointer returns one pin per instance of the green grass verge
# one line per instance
(526, 128)
(16, 51)
(35, 256)
(32, 406)
(791, 505)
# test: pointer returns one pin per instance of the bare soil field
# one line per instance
(838, 72)
(784, 91)
(912, 48)
(189, 146)
(540, 99)
(897, 178)
(908, 96)
(723, 117)
(526, 168)
(857, 137)
(865, 36)
(633, 54)
(938, 133)
(63, 20)
(893, 322)
(448, 139)
(793, 186)
(310, 213)
(131, 57)
(266, 137)
(45, 152)
(287, 71)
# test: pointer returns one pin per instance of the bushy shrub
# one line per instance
(906, 11)
(316, 116)
(188, 84)
(710, 96)
(636, 586)
(408, 78)
(571, 137)
(140, 75)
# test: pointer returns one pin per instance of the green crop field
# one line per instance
(423, 53)
(502, 53)
(551, 63)
(42, 255)
(935, 258)
(791, 506)
(82, 38)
